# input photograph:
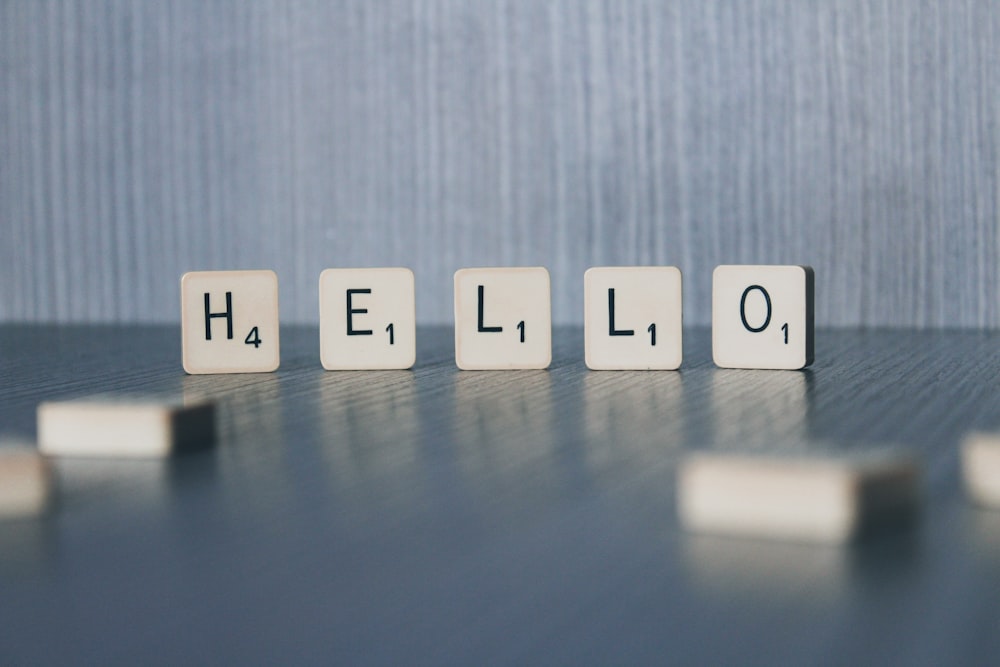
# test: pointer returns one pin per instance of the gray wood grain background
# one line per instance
(139, 140)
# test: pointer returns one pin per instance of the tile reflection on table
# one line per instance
(108, 485)
(633, 417)
(250, 445)
(248, 407)
(728, 567)
(757, 409)
(369, 424)
(502, 424)
(767, 571)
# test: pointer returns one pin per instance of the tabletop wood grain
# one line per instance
(437, 516)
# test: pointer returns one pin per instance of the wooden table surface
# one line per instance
(437, 516)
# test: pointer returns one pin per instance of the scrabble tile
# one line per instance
(633, 318)
(800, 499)
(229, 321)
(981, 467)
(367, 319)
(503, 319)
(25, 482)
(127, 427)
(762, 316)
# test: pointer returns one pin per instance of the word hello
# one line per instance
(762, 317)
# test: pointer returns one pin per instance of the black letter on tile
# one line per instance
(228, 315)
(611, 317)
(351, 331)
(484, 329)
(743, 309)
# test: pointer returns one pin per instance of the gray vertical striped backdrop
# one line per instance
(140, 139)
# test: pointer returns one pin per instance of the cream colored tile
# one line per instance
(762, 316)
(633, 318)
(124, 427)
(503, 318)
(367, 319)
(25, 481)
(809, 500)
(229, 321)
(981, 467)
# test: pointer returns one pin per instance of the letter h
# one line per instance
(228, 314)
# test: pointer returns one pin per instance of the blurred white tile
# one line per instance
(802, 499)
(25, 481)
(124, 427)
(981, 467)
